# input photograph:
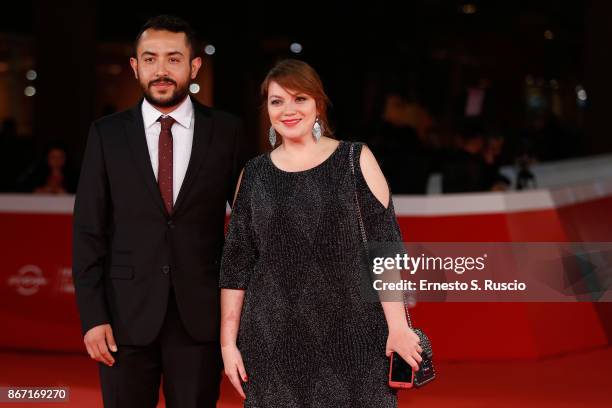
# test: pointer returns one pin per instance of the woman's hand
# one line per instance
(234, 367)
(405, 342)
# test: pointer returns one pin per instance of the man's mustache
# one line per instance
(162, 80)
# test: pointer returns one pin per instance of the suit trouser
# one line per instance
(191, 371)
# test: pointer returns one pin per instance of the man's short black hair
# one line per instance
(173, 24)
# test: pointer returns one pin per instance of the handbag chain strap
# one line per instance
(361, 226)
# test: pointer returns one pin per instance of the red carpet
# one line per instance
(577, 380)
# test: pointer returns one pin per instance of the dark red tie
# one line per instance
(164, 170)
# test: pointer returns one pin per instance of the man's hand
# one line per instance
(99, 340)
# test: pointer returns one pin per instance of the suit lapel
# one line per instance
(134, 129)
(202, 136)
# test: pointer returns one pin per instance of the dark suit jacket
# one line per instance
(127, 250)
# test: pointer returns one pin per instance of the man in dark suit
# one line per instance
(149, 229)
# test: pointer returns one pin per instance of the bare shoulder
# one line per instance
(374, 177)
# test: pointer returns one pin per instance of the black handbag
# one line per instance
(426, 372)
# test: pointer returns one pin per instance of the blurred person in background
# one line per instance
(464, 168)
(399, 143)
(546, 138)
(52, 175)
(492, 155)
(474, 165)
(16, 153)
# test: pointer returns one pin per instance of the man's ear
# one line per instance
(134, 65)
(196, 63)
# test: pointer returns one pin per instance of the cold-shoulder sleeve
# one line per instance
(239, 251)
(379, 222)
(382, 230)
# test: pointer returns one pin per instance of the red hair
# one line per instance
(299, 77)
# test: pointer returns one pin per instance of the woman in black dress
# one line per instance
(293, 317)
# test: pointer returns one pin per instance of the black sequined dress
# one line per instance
(307, 336)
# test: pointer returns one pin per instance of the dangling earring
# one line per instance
(317, 130)
(272, 136)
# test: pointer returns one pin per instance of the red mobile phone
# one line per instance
(401, 374)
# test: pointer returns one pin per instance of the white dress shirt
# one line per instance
(182, 139)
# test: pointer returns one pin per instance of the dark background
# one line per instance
(427, 51)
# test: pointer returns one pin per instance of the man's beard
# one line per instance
(178, 94)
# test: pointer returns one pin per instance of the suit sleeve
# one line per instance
(90, 235)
